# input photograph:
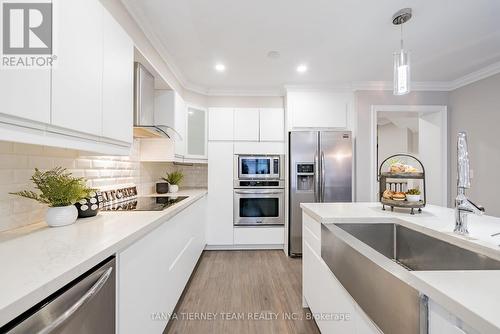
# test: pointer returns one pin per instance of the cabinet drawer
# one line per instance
(311, 238)
(259, 235)
(181, 268)
(313, 225)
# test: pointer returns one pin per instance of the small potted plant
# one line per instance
(60, 191)
(173, 179)
(413, 195)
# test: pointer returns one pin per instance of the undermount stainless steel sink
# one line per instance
(417, 251)
(373, 261)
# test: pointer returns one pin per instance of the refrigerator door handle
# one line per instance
(322, 198)
(316, 178)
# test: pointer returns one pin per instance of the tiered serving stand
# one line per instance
(394, 182)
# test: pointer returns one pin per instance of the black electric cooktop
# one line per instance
(145, 204)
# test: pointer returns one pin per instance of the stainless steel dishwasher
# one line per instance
(84, 306)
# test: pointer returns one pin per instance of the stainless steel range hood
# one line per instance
(144, 115)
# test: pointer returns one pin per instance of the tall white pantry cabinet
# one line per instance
(238, 131)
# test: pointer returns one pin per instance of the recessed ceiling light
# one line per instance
(220, 67)
(302, 68)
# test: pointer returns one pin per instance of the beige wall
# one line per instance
(363, 102)
(475, 108)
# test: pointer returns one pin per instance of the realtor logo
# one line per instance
(26, 34)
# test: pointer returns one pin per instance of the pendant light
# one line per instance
(402, 71)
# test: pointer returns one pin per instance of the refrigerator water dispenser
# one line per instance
(305, 176)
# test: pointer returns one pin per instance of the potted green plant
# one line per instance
(60, 191)
(173, 179)
(413, 195)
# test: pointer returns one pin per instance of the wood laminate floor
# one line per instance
(243, 292)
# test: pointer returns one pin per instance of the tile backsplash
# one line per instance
(17, 163)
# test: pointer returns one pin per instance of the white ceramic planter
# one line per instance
(412, 198)
(61, 215)
(173, 188)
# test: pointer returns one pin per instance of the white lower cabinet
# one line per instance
(443, 322)
(333, 308)
(325, 295)
(153, 272)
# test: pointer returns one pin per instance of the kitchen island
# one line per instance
(37, 260)
(458, 300)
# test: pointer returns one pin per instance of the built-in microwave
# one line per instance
(259, 167)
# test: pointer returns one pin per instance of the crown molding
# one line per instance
(156, 43)
(480, 74)
(439, 86)
(235, 92)
(312, 88)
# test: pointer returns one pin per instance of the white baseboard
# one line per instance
(242, 247)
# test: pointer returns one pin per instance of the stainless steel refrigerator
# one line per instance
(320, 171)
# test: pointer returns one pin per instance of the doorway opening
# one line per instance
(420, 131)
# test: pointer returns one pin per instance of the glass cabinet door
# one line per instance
(196, 132)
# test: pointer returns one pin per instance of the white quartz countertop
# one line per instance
(37, 260)
(473, 296)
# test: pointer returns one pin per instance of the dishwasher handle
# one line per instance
(79, 303)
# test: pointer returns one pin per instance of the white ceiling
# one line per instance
(403, 120)
(341, 41)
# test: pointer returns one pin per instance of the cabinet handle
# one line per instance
(258, 193)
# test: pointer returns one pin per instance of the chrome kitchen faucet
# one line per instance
(463, 206)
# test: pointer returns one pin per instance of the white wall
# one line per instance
(431, 154)
(363, 102)
(391, 140)
(476, 109)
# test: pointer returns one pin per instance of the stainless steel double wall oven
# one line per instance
(259, 190)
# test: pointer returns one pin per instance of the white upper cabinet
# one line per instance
(85, 101)
(170, 110)
(118, 81)
(25, 93)
(318, 109)
(196, 143)
(246, 124)
(77, 76)
(221, 124)
(180, 126)
(272, 124)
